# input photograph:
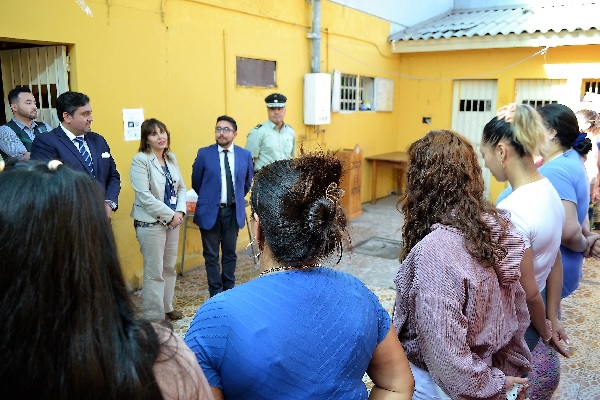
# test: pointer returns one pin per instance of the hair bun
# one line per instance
(320, 213)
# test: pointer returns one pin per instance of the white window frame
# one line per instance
(352, 93)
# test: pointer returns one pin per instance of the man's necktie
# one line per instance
(85, 154)
(228, 179)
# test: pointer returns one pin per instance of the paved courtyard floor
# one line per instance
(580, 375)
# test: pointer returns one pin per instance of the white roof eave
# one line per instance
(538, 39)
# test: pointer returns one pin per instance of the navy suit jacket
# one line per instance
(206, 181)
(55, 145)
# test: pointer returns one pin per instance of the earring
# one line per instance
(253, 255)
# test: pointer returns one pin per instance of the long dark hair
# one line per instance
(445, 185)
(69, 330)
(297, 203)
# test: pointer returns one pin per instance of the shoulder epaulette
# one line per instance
(257, 126)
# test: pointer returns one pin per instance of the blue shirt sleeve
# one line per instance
(207, 337)
(384, 320)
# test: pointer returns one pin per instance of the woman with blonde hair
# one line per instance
(509, 143)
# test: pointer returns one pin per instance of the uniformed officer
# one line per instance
(272, 140)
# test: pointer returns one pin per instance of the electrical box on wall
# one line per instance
(317, 99)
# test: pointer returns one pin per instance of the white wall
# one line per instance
(400, 13)
(462, 4)
(404, 13)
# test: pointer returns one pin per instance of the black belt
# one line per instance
(225, 205)
(141, 224)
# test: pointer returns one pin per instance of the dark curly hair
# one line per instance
(296, 202)
(445, 185)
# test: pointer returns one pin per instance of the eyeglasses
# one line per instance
(224, 129)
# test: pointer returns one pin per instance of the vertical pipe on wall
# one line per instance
(315, 36)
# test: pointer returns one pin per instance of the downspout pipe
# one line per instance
(315, 36)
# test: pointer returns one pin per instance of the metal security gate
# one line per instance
(44, 70)
(474, 105)
(539, 92)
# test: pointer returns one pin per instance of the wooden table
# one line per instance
(397, 160)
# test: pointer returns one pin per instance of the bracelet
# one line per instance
(548, 340)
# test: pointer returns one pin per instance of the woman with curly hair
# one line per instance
(460, 311)
(299, 331)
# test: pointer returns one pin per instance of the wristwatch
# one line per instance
(113, 206)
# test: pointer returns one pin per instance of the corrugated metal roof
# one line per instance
(504, 21)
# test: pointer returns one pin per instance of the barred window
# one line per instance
(361, 93)
(590, 86)
(349, 92)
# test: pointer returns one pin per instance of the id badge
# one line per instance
(173, 199)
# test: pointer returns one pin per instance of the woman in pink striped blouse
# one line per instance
(461, 312)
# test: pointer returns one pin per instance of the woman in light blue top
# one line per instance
(563, 166)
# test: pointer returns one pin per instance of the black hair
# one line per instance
(13, 95)
(69, 329)
(228, 119)
(563, 120)
(69, 102)
(297, 204)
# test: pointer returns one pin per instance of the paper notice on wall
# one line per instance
(132, 122)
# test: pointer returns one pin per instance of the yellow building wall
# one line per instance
(176, 60)
(432, 94)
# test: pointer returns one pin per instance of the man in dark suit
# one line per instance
(73, 143)
(222, 176)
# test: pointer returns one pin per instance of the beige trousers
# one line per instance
(158, 245)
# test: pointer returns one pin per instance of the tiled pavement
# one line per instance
(580, 375)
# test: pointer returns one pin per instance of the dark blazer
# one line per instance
(55, 145)
(206, 181)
